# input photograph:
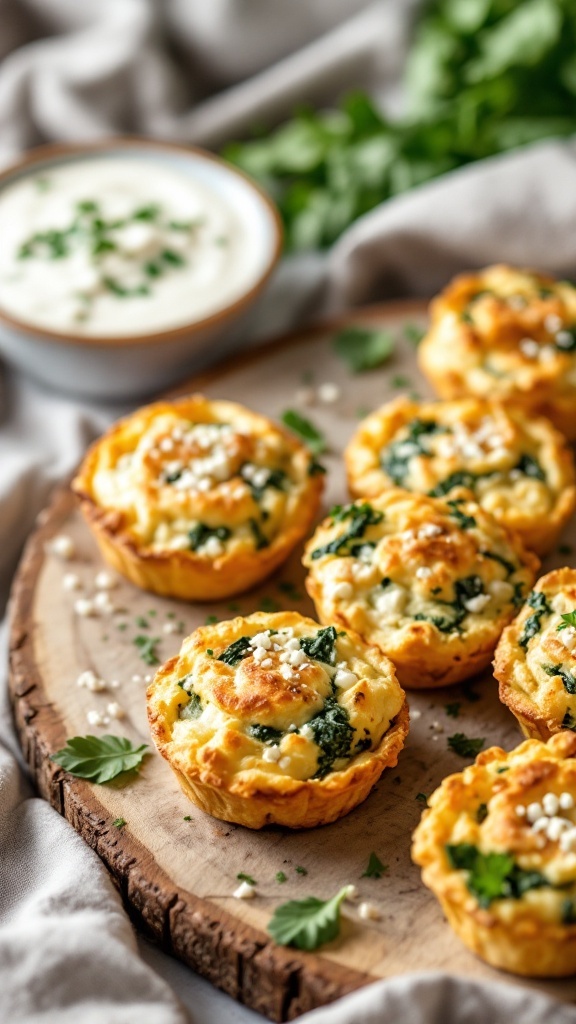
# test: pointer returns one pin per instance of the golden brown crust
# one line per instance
(539, 697)
(523, 933)
(405, 581)
(476, 344)
(139, 518)
(249, 754)
(518, 468)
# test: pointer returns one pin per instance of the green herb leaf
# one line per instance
(464, 745)
(493, 876)
(147, 648)
(119, 822)
(243, 877)
(281, 877)
(306, 430)
(99, 758)
(359, 518)
(453, 709)
(363, 348)
(375, 867)
(236, 651)
(422, 798)
(568, 619)
(321, 647)
(308, 923)
(538, 601)
(300, 871)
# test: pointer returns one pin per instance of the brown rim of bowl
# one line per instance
(62, 149)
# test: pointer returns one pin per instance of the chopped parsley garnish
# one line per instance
(481, 813)
(530, 467)
(306, 430)
(568, 680)
(264, 733)
(400, 381)
(568, 619)
(236, 651)
(119, 822)
(187, 817)
(394, 458)
(508, 566)
(358, 519)
(414, 334)
(465, 746)
(260, 538)
(569, 721)
(210, 620)
(142, 622)
(422, 798)
(492, 876)
(460, 478)
(453, 709)
(375, 868)
(308, 923)
(193, 709)
(300, 871)
(363, 348)
(281, 877)
(268, 604)
(290, 589)
(333, 734)
(99, 758)
(537, 600)
(243, 877)
(200, 533)
(147, 648)
(321, 647)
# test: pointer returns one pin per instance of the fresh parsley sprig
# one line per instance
(99, 758)
(465, 746)
(305, 430)
(308, 923)
(375, 867)
(568, 620)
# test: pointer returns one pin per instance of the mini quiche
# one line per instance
(509, 334)
(430, 581)
(497, 847)
(535, 660)
(198, 499)
(271, 719)
(518, 468)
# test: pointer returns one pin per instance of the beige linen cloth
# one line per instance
(203, 71)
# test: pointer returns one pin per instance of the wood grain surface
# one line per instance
(176, 875)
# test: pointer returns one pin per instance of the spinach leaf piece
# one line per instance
(569, 721)
(264, 733)
(394, 458)
(530, 466)
(460, 478)
(537, 600)
(492, 876)
(332, 733)
(464, 521)
(307, 432)
(200, 533)
(568, 680)
(236, 651)
(321, 647)
(359, 518)
(363, 348)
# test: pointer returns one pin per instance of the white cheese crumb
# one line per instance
(105, 580)
(136, 678)
(91, 681)
(148, 678)
(170, 627)
(62, 546)
(84, 607)
(351, 893)
(340, 591)
(566, 801)
(114, 710)
(103, 603)
(329, 393)
(296, 658)
(501, 590)
(70, 581)
(344, 678)
(550, 804)
(271, 754)
(533, 812)
(213, 547)
(547, 352)
(478, 603)
(415, 714)
(94, 718)
(262, 640)
(307, 732)
(285, 764)
(568, 840)
(266, 663)
(390, 601)
(245, 891)
(520, 810)
(115, 684)
(368, 912)
(429, 530)
(423, 572)
(564, 339)
(553, 323)
(567, 637)
(529, 348)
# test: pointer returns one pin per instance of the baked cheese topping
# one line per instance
(504, 830)
(516, 467)
(403, 559)
(276, 694)
(211, 478)
(537, 658)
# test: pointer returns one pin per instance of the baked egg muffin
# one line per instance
(430, 581)
(518, 468)
(497, 847)
(272, 719)
(509, 334)
(198, 499)
(535, 661)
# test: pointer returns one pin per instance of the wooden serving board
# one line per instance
(177, 876)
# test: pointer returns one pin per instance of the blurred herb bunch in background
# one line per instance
(482, 77)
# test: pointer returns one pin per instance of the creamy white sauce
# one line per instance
(64, 285)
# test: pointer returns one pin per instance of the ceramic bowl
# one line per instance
(104, 367)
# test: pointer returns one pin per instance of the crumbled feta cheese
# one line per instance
(478, 603)
(115, 684)
(340, 591)
(344, 678)
(550, 804)
(271, 754)
(328, 393)
(114, 710)
(91, 681)
(568, 840)
(553, 323)
(70, 581)
(501, 590)
(423, 572)
(520, 810)
(245, 891)
(105, 580)
(566, 801)
(213, 547)
(564, 339)
(170, 627)
(533, 812)
(94, 718)
(62, 546)
(287, 672)
(390, 601)
(266, 663)
(84, 607)
(136, 678)
(307, 732)
(285, 763)
(529, 348)
(166, 444)
(296, 658)
(567, 637)
(429, 530)
(262, 640)
(368, 912)
(415, 714)
(103, 603)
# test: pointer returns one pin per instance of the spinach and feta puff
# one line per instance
(431, 581)
(508, 334)
(497, 847)
(535, 661)
(198, 499)
(271, 719)
(518, 468)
